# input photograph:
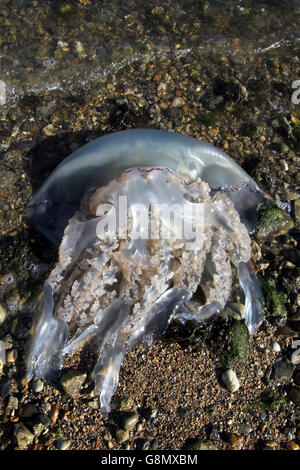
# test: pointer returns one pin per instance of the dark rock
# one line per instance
(282, 370)
(294, 395)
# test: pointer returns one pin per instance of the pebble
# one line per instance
(275, 346)
(295, 317)
(230, 380)
(199, 444)
(292, 446)
(297, 378)
(178, 102)
(2, 356)
(246, 428)
(294, 395)
(11, 356)
(23, 435)
(288, 434)
(49, 130)
(282, 370)
(72, 381)
(263, 415)
(44, 419)
(297, 209)
(94, 404)
(3, 314)
(55, 413)
(286, 331)
(13, 403)
(38, 428)
(235, 441)
(121, 435)
(63, 444)
(127, 403)
(233, 310)
(270, 445)
(8, 342)
(37, 385)
(130, 421)
(295, 359)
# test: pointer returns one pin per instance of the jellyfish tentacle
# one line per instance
(254, 302)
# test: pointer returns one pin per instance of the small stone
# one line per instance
(2, 356)
(37, 385)
(178, 102)
(44, 419)
(246, 428)
(110, 444)
(72, 381)
(13, 403)
(297, 209)
(294, 395)
(3, 314)
(297, 378)
(94, 404)
(79, 48)
(2, 93)
(63, 444)
(275, 346)
(23, 435)
(199, 444)
(49, 130)
(270, 445)
(121, 435)
(230, 380)
(295, 317)
(127, 404)
(55, 413)
(38, 428)
(139, 427)
(295, 359)
(233, 310)
(11, 356)
(283, 369)
(129, 421)
(8, 342)
(263, 415)
(235, 441)
(292, 446)
(24, 383)
(286, 331)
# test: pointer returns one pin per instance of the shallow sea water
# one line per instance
(65, 45)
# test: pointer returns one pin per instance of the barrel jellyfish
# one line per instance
(145, 219)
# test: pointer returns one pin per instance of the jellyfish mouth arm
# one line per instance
(107, 369)
(254, 302)
(215, 284)
(46, 356)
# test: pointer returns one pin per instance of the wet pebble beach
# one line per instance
(225, 73)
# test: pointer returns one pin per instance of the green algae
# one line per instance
(235, 346)
(272, 223)
(268, 400)
(275, 300)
